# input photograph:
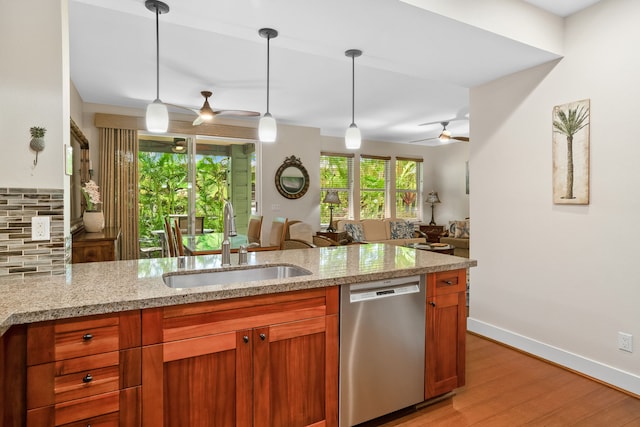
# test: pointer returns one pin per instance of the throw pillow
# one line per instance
(452, 228)
(462, 229)
(401, 230)
(355, 231)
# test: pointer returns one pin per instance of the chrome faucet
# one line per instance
(229, 225)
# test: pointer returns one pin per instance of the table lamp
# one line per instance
(332, 198)
(433, 199)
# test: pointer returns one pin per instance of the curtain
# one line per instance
(119, 184)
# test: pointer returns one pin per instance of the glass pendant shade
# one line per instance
(267, 128)
(352, 138)
(157, 117)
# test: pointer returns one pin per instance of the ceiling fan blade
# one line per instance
(237, 113)
(198, 121)
(439, 122)
(423, 140)
(461, 138)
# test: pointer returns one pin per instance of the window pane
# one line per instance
(408, 173)
(335, 175)
(373, 184)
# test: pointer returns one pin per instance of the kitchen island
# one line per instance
(157, 337)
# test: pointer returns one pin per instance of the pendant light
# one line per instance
(267, 128)
(157, 117)
(352, 137)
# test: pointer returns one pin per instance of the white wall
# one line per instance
(448, 164)
(560, 281)
(34, 91)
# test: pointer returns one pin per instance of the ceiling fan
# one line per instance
(445, 136)
(206, 113)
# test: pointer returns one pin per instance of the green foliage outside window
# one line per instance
(335, 175)
(163, 188)
(373, 184)
(407, 179)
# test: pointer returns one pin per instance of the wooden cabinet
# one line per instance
(84, 370)
(257, 361)
(433, 232)
(446, 326)
(94, 247)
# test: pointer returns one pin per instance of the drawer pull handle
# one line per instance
(433, 304)
(245, 339)
(263, 337)
(87, 378)
(87, 337)
(448, 282)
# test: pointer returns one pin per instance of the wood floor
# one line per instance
(508, 388)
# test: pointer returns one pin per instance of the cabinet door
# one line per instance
(445, 343)
(198, 382)
(295, 370)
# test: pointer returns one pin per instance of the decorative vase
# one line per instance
(93, 221)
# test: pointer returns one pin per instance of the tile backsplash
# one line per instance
(19, 255)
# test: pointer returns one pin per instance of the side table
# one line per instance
(433, 232)
(333, 235)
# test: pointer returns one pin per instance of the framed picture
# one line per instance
(570, 145)
(68, 159)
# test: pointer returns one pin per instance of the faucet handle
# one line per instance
(242, 255)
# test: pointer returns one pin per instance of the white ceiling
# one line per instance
(417, 66)
(562, 7)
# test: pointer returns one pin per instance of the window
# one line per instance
(374, 176)
(408, 188)
(336, 174)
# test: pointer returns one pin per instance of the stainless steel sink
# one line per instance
(238, 275)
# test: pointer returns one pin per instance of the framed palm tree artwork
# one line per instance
(571, 153)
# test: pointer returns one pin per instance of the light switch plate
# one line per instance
(40, 228)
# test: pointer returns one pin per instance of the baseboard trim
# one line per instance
(622, 380)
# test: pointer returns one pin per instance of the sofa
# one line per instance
(458, 236)
(388, 230)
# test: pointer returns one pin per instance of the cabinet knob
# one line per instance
(433, 304)
(87, 337)
(245, 339)
(87, 378)
(448, 282)
(263, 337)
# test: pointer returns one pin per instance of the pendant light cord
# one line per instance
(353, 89)
(157, 55)
(268, 67)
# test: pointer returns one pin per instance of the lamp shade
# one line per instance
(445, 136)
(157, 117)
(432, 197)
(267, 128)
(352, 138)
(331, 197)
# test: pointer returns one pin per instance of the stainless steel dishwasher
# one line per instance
(382, 347)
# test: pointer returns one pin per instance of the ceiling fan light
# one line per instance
(157, 117)
(267, 128)
(445, 136)
(206, 113)
(352, 138)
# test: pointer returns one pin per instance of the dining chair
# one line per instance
(184, 224)
(278, 231)
(254, 229)
(179, 247)
(169, 239)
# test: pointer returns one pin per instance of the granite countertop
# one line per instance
(107, 287)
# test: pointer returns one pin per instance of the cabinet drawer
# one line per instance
(71, 379)
(75, 410)
(446, 282)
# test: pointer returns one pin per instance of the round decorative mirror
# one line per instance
(292, 179)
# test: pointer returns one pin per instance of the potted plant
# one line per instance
(93, 218)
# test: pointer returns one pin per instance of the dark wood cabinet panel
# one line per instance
(96, 247)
